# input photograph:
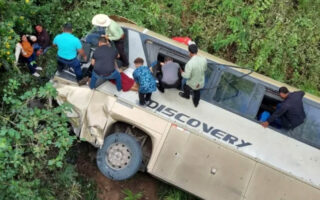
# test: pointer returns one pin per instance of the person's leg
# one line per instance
(31, 64)
(94, 78)
(89, 71)
(186, 91)
(160, 83)
(148, 96)
(196, 97)
(285, 123)
(117, 77)
(141, 99)
(45, 50)
(183, 83)
(75, 64)
(120, 47)
(61, 64)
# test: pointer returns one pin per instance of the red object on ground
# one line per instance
(126, 81)
(183, 40)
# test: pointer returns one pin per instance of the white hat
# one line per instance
(33, 38)
(101, 20)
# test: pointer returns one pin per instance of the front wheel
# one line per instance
(120, 156)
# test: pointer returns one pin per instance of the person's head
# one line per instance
(193, 49)
(24, 38)
(38, 28)
(283, 92)
(103, 41)
(138, 62)
(167, 59)
(67, 28)
(101, 20)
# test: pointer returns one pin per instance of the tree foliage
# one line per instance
(277, 38)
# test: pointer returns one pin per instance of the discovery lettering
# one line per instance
(195, 123)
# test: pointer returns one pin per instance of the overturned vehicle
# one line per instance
(218, 150)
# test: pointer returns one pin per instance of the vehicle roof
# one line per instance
(129, 24)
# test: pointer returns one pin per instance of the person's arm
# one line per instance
(80, 50)
(278, 113)
(17, 52)
(54, 42)
(187, 71)
(82, 54)
(93, 62)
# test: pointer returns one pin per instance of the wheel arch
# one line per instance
(147, 144)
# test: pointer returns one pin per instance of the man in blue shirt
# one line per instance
(68, 48)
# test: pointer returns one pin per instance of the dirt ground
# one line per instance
(112, 190)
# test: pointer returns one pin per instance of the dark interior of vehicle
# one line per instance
(270, 103)
(162, 56)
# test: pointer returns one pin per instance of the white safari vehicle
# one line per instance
(217, 151)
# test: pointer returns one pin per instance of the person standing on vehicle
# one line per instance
(113, 33)
(68, 47)
(194, 73)
(144, 78)
(291, 111)
(104, 64)
(169, 76)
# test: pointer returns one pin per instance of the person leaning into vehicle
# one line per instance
(113, 33)
(144, 78)
(104, 64)
(194, 73)
(169, 75)
(291, 111)
(68, 47)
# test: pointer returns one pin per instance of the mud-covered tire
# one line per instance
(120, 156)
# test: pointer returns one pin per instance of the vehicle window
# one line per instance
(234, 93)
(309, 132)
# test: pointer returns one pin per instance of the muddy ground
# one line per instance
(113, 190)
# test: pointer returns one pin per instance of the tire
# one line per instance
(120, 156)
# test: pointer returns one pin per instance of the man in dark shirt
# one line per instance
(43, 39)
(104, 64)
(291, 111)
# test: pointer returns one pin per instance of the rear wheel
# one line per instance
(120, 156)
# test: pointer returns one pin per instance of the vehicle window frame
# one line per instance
(258, 89)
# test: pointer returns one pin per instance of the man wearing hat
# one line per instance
(114, 33)
(68, 47)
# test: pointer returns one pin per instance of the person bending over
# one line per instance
(291, 112)
(169, 76)
(144, 78)
(104, 64)
(113, 33)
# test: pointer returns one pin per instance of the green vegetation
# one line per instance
(277, 38)
(280, 39)
(131, 196)
(167, 192)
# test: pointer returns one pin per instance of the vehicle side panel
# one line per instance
(269, 184)
(202, 167)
